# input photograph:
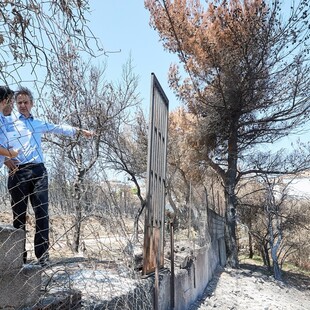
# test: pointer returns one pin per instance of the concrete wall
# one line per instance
(190, 283)
(19, 284)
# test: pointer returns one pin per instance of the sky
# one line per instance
(123, 25)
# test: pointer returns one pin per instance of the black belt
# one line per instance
(30, 165)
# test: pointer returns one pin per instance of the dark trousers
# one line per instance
(30, 182)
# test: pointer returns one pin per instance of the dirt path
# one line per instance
(251, 288)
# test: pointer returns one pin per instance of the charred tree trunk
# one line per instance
(251, 251)
(231, 201)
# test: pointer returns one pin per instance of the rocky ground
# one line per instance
(251, 287)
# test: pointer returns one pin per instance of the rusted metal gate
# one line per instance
(153, 252)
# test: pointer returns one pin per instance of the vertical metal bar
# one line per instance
(172, 264)
(156, 288)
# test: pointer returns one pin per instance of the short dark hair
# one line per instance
(24, 91)
(5, 92)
